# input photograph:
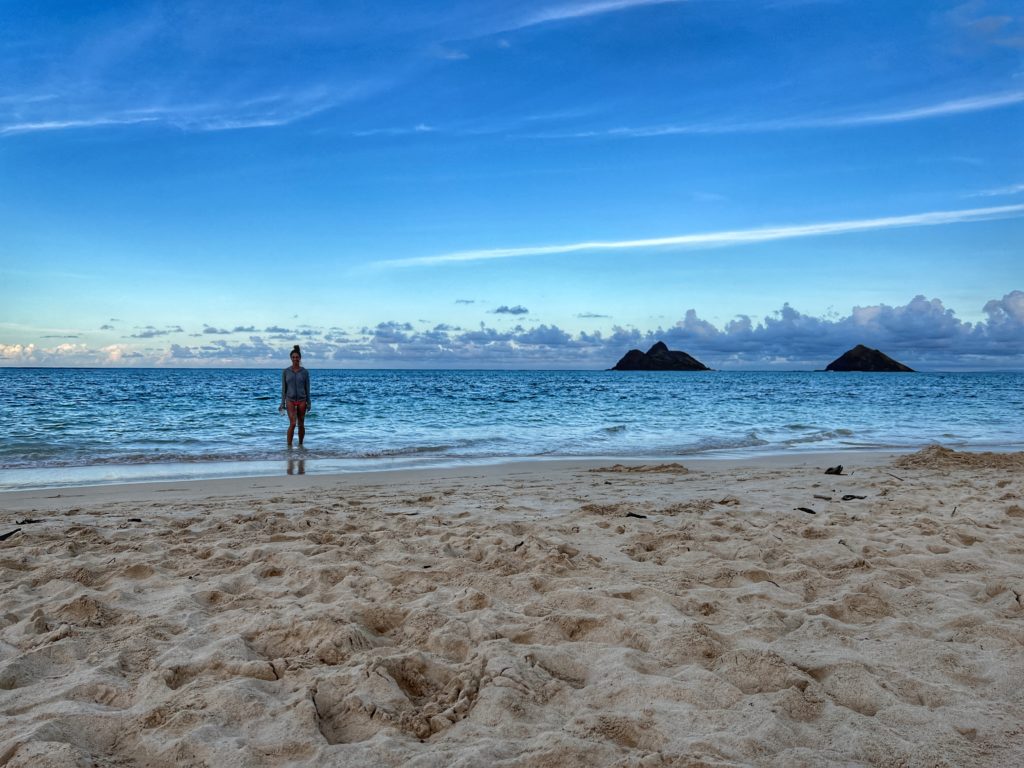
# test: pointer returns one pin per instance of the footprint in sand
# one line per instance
(102, 693)
(625, 731)
(760, 671)
(854, 686)
(413, 693)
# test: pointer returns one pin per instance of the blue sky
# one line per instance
(484, 184)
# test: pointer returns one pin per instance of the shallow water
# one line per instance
(103, 425)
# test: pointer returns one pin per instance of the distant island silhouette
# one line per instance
(659, 358)
(862, 358)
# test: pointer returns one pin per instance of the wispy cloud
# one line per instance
(1012, 189)
(403, 131)
(60, 125)
(927, 112)
(268, 110)
(227, 117)
(226, 112)
(19, 99)
(955, 107)
(450, 54)
(719, 239)
(187, 67)
(582, 10)
(150, 332)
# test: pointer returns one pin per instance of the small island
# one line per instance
(862, 358)
(659, 358)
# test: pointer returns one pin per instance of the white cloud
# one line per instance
(719, 239)
(1006, 316)
(403, 131)
(185, 120)
(582, 10)
(65, 349)
(942, 109)
(60, 125)
(956, 107)
(265, 110)
(21, 353)
(451, 54)
(114, 353)
(1012, 189)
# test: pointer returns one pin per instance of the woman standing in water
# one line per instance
(295, 395)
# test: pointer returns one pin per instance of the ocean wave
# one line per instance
(61, 458)
(410, 450)
(708, 444)
(818, 437)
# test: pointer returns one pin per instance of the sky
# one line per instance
(544, 184)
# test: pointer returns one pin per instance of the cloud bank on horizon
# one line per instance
(923, 333)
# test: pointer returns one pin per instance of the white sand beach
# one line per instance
(533, 614)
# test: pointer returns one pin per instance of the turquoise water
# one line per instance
(67, 426)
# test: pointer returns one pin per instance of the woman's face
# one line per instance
(295, 358)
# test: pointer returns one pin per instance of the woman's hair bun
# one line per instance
(296, 349)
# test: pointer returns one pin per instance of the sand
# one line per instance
(547, 614)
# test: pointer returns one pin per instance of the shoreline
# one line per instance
(313, 477)
(157, 473)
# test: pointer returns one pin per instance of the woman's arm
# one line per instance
(284, 388)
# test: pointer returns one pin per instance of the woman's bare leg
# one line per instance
(292, 418)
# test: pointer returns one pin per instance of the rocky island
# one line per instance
(659, 358)
(862, 358)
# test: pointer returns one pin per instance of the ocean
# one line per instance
(85, 426)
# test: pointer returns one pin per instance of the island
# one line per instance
(862, 358)
(659, 358)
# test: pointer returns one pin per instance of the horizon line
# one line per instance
(737, 369)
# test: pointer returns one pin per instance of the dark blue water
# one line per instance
(92, 425)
